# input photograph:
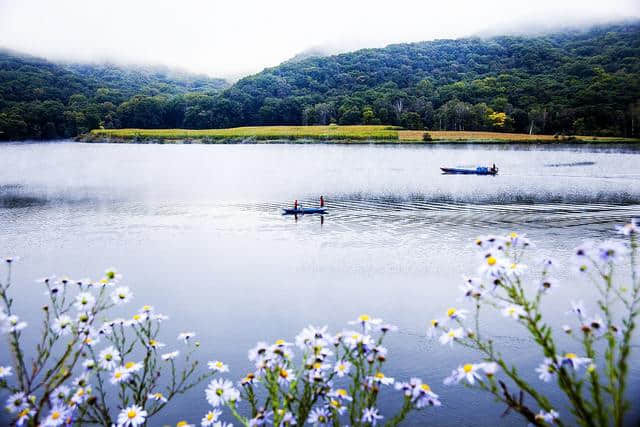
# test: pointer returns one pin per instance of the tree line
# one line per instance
(571, 82)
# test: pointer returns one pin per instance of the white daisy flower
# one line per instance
(210, 417)
(121, 295)
(572, 360)
(472, 288)
(132, 366)
(312, 334)
(547, 417)
(546, 370)
(132, 416)
(60, 395)
(258, 351)
(5, 371)
(595, 325)
(285, 376)
(516, 240)
(186, 336)
(386, 327)
(17, 402)
(24, 416)
(62, 325)
(489, 242)
(57, 416)
(170, 356)
(366, 322)
(112, 275)
(355, 339)
(158, 317)
(218, 366)
(611, 251)
(492, 266)
(81, 395)
(220, 391)
(109, 358)
(516, 269)
(380, 378)
(628, 229)
(514, 311)
(371, 416)
(342, 368)
(567, 329)
(84, 301)
(451, 335)
(454, 313)
(13, 324)
(547, 285)
(156, 344)
(120, 374)
(489, 368)
(319, 417)
(184, 423)
(469, 371)
(433, 326)
(157, 397)
(578, 309)
(340, 394)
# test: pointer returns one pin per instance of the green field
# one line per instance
(330, 132)
(360, 133)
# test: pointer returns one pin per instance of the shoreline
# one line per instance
(300, 141)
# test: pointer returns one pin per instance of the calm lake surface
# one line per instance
(197, 232)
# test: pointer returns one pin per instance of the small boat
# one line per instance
(304, 211)
(480, 170)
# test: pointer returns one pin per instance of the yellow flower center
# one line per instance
(335, 403)
(181, 424)
(55, 415)
(341, 367)
(80, 392)
(434, 322)
(108, 357)
(280, 342)
(379, 375)
(117, 375)
(450, 312)
(341, 392)
(491, 260)
(284, 373)
(514, 266)
(513, 235)
(425, 387)
(158, 396)
(210, 416)
(511, 310)
(129, 365)
(146, 308)
(317, 365)
(570, 356)
(219, 364)
(24, 413)
(364, 318)
(136, 317)
(467, 368)
(153, 343)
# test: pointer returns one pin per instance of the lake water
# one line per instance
(197, 232)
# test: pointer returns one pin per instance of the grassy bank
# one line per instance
(344, 134)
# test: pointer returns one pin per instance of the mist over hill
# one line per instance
(571, 82)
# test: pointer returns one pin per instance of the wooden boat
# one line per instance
(480, 170)
(304, 211)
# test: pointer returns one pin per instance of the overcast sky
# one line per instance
(229, 38)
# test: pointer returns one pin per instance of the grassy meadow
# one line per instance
(355, 134)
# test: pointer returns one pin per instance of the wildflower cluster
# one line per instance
(500, 286)
(337, 380)
(79, 361)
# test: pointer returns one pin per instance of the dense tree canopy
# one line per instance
(42, 100)
(582, 82)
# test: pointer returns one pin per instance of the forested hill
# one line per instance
(42, 99)
(572, 82)
(578, 82)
